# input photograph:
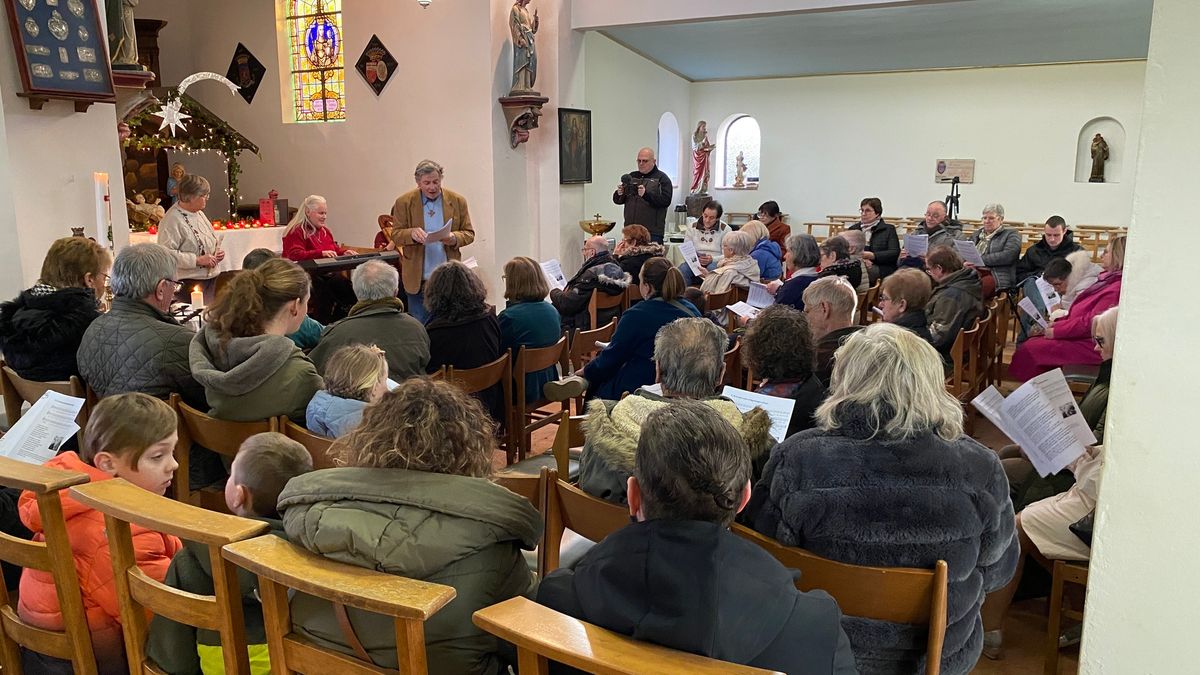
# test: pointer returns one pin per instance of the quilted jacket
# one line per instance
(40, 331)
(135, 347)
(38, 602)
(253, 378)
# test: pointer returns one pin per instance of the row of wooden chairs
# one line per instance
(977, 356)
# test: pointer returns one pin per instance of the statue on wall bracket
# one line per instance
(523, 105)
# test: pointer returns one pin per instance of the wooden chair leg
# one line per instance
(531, 663)
(1054, 620)
(410, 646)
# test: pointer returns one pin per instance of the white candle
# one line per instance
(197, 297)
(102, 208)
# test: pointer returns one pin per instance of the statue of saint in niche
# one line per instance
(701, 152)
(1099, 155)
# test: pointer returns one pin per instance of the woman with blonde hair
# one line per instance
(888, 479)
(242, 357)
(528, 320)
(736, 268)
(355, 377)
(1068, 340)
(307, 237)
(40, 330)
(412, 497)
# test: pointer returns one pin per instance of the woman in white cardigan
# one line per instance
(187, 233)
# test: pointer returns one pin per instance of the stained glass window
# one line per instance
(742, 136)
(317, 60)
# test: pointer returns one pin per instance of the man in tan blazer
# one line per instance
(419, 213)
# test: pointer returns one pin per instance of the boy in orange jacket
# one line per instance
(130, 436)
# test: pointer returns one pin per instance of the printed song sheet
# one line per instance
(1026, 305)
(778, 409)
(916, 245)
(439, 234)
(1042, 417)
(688, 250)
(41, 431)
(554, 274)
(969, 253)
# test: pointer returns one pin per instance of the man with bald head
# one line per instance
(941, 230)
(600, 272)
(646, 194)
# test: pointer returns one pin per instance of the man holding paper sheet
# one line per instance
(937, 229)
(431, 226)
(601, 273)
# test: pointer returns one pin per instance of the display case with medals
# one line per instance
(62, 52)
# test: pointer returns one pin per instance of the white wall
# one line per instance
(1141, 608)
(830, 141)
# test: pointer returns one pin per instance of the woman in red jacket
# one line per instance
(307, 238)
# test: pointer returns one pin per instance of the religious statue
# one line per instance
(1099, 155)
(523, 28)
(739, 176)
(701, 151)
(143, 214)
(122, 34)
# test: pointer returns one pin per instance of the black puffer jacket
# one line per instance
(957, 301)
(135, 347)
(1040, 254)
(600, 272)
(41, 329)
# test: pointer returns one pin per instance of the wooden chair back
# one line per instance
(715, 301)
(867, 303)
(570, 508)
(601, 300)
(733, 366)
(53, 555)
(999, 337)
(317, 446)
(527, 417)
(475, 380)
(978, 365)
(568, 438)
(584, 349)
(18, 391)
(123, 505)
(960, 357)
(282, 566)
(532, 487)
(542, 635)
(633, 293)
(895, 594)
(220, 436)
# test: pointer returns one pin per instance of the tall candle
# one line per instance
(197, 297)
(103, 216)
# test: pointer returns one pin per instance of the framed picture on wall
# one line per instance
(574, 146)
(61, 52)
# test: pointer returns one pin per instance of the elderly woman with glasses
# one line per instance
(999, 246)
(189, 235)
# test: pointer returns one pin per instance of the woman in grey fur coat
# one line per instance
(888, 479)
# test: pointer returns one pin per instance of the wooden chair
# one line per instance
(532, 487)
(601, 300)
(527, 417)
(542, 635)
(895, 594)
(733, 366)
(979, 365)
(317, 446)
(475, 380)
(124, 504)
(584, 349)
(282, 566)
(220, 436)
(715, 301)
(958, 383)
(866, 303)
(1064, 573)
(18, 391)
(633, 293)
(999, 337)
(53, 555)
(569, 508)
(563, 455)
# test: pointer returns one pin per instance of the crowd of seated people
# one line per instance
(414, 462)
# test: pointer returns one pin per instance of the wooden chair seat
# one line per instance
(282, 566)
(53, 555)
(317, 446)
(221, 436)
(17, 391)
(527, 417)
(564, 454)
(542, 635)
(124, 504)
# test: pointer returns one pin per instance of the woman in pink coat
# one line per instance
(1068, 340)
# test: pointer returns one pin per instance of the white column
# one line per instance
(1142, 609)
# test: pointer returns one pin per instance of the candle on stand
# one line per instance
(197, 297)
(103, 213)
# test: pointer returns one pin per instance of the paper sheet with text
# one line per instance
(41, 431)
(969, 253)
(554, 274)
(916, 245)
(688, 250)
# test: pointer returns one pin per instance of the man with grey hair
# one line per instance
(689, 359)
(646, 194)
(136, 346)
(829, 306)
(423, 211)
(378, 318)
(601, 272)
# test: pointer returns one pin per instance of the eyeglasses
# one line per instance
(1099, 340)
(884, 298)
(178, 284)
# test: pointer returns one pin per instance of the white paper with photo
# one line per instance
(1050, 297)
(990, 403)
(688, 250)
(779, 409)
(37, 436)
(743, 309)
(554, 274)
(1049, 443)
(759, 297)
(969, 253)
(1053, 385)
(916, 245)
(1026, 305)
(439, 234)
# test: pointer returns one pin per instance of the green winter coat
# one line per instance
(462, 532)
(252, 378)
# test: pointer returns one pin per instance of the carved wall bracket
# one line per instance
(522, 113)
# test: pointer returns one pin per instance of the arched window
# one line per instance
(668, 146)
(741, 134)
(316, 60)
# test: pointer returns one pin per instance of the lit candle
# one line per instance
(197, 297)
(103, 215)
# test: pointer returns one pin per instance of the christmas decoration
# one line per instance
(171, 114)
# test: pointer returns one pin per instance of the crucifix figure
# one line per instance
(431, 213)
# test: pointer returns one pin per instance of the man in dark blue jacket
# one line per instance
(679, 578)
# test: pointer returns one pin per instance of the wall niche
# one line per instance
(1114, 134)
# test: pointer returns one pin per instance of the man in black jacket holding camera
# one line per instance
(646, 194)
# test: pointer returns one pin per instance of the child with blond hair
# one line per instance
(355, 376)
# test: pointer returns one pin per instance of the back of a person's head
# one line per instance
(254, 297)
(422, 425)
(835, 292)
(138, 269)
(257, 257)
(756, 229)
(354, 371)
(804, 249)
(454, 292)
(70, 259)
(375, 280)
(691, 464)
(524, 280)
(694, 295)
(911, 285)
(944, 257)
(125, 425)
(838, 246)
(664, 280)
(778, 344)
(891, 382)
(638, 234)
(855, 240)
(1057, 269)
(265, 463)
(739, 242)
(690, 355)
